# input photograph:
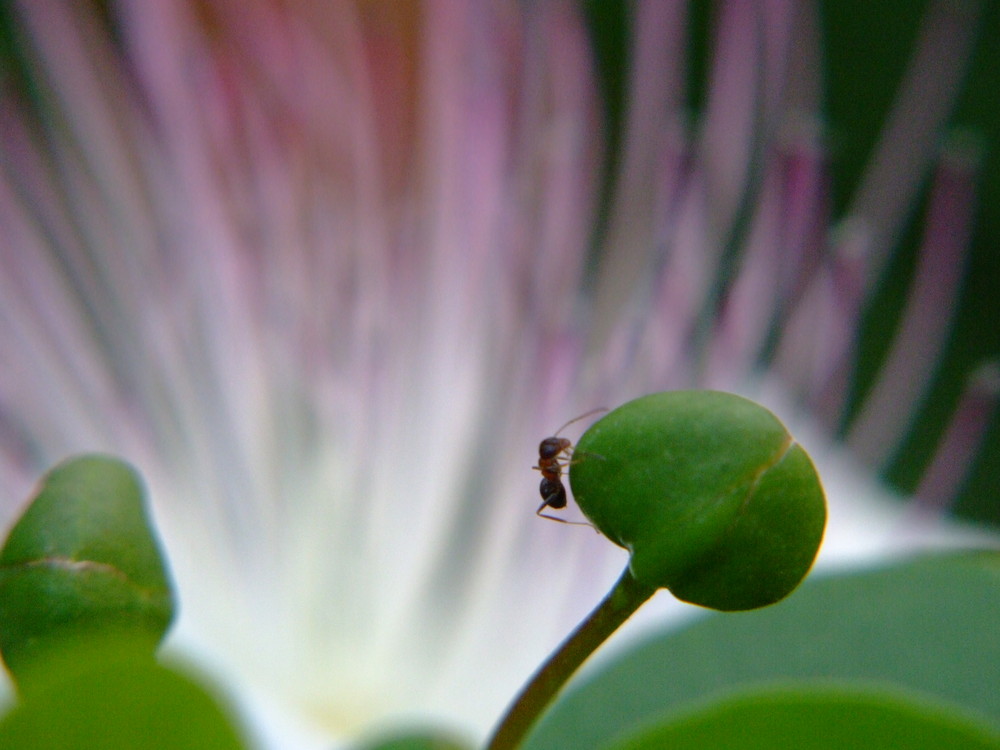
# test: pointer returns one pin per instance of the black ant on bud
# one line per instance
(552, 490)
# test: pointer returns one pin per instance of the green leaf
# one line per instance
(708, 491)
(83, 558)
(415, 739)
(99, 693)
(818, 717)
(927, 625)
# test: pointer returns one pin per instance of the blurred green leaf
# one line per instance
(818, 717)
(82, 558)
(708, 491)
(415, 739)
(100, 692)
(927, 625)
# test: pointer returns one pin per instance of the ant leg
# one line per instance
(562, 520)
(572, 460)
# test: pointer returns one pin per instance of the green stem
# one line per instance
(625, 597)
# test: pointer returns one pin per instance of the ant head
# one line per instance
(552, 447)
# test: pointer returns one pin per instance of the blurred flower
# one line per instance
(321, 271)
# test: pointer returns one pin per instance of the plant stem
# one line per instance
(625, 597)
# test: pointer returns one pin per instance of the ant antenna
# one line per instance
(598, 410)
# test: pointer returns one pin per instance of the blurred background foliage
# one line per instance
(866, 49)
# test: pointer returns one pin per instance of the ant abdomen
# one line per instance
(553, 493)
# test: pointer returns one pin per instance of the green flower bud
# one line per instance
(707, 490)
(82, 558)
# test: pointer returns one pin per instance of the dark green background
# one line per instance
(867, 47)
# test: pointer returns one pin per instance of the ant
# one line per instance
(552, 490)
